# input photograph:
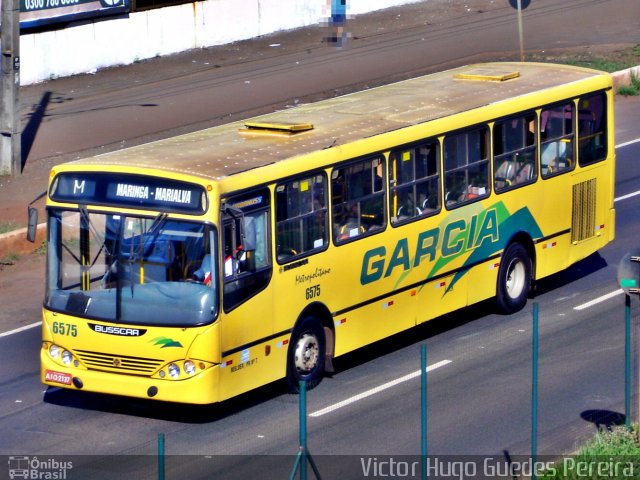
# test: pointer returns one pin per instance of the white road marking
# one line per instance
(21, 329)
(626, 144)
(375, 390)
(628, 195)
(598, 300)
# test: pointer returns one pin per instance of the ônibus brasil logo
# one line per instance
(38, 468)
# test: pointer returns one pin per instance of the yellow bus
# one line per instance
(199, 267)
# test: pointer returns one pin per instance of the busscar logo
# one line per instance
(121, 331)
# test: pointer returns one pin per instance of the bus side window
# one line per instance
(557, 139)
(357, 199)
(466, 165)
(514, 150)
(592, 129)
(301, 216)
(414, 182)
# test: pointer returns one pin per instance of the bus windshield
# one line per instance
(135, 270)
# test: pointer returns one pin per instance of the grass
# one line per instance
(609, 60)
(632, 89)
(610, 454)
(8, 227)
(9, 259)
(42, 249)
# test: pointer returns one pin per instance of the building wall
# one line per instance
(91, 45)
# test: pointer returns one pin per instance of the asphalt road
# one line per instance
(479, 402)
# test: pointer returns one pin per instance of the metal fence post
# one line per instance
(627, 361)
(423, 403)
(303, 455)
(534, 389)
(161, 456)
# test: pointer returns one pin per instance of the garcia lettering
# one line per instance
(452, 239)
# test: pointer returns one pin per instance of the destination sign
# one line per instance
(134, 191)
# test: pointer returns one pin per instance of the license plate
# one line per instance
(57, 377)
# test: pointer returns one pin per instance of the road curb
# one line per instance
(16, 242)
(623, 77)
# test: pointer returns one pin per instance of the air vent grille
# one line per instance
(584, 211)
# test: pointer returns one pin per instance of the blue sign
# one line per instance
(523, 3)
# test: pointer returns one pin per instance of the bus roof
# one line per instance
(225, 150)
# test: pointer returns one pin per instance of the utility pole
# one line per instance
(520, 35)
(520, 5)
(10, 135)
(629, 280)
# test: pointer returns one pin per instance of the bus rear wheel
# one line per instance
(514, 279)
(306, 356)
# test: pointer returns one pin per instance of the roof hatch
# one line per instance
(487, 75)
(276, 128)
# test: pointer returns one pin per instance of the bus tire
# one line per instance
(306, 355)
(514, 279)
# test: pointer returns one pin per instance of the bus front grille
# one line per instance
(583, 221)
(118, 363)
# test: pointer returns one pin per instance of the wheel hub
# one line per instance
(307, 353)
(515, 278)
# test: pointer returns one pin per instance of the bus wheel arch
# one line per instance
(515, 275)
(310, 349)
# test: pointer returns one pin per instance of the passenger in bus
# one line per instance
(349, 224)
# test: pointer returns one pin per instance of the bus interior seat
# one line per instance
(525, 173)
(504, 174)
(405, 211)
(430, 203)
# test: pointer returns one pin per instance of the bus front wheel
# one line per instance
(514, 279)
(306, 356)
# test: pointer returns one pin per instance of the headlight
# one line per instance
(174, 370)
(189, 367)
(54, 351)
(67, 357)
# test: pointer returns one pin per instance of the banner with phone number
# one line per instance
(37, 13)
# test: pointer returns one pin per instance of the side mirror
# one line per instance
(32, 224)
(32, 214)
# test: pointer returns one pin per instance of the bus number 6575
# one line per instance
(312, 292)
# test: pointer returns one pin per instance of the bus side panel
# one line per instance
(591, 214)
(552, 209)
(253, 366)
(375, 321)
(244, 332)
(482, 281)
(441, 296)
(551, 255)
